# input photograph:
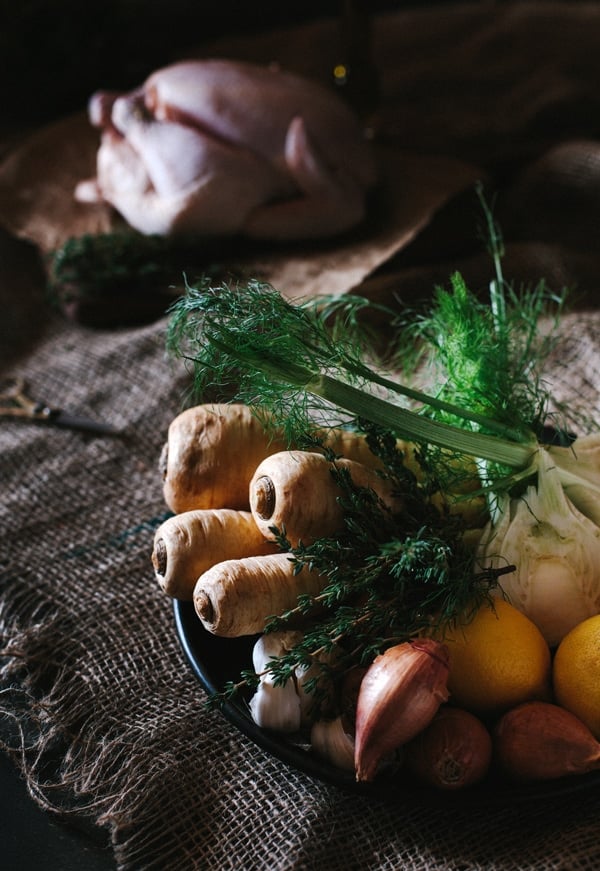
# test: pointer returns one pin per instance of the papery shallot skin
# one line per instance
(399, 695)
(218, 147)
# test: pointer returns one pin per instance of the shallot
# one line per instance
(541, 741)
(453, 752)
(398, 697)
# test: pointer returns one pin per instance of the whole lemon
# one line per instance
(498, 659)
(576, 673)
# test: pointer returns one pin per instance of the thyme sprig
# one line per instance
(390, 578)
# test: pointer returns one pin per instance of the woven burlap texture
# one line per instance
(100, 683)
(99, 702)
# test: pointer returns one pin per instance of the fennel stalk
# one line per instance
(282, 356)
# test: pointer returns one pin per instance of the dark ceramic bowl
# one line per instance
(215, 661)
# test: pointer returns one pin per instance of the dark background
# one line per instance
(33, 839)
(56, 53)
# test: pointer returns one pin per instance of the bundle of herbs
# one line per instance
(485, 433)
(122, 277)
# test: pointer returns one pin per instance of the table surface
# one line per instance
(32, 839)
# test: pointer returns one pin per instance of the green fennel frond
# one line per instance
(488, 354)
(284, 358)
(492, 366)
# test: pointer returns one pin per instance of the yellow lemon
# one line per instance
(576, 673)
(498, 659)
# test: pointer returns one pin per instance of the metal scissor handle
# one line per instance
(15, 402)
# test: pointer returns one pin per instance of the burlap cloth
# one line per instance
(99, 704)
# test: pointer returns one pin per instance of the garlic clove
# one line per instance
(454, 751)
(276, 707)
(541, 741)
(330, 740)
(399, 695)
(270, 645)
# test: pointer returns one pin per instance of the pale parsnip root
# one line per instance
(353, 446)
(212, 451)
(188, 544)
(210, 456)
(296, 491)
(236, 597)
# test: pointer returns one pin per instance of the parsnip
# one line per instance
(236, 597)
(212, 451)
(296, 491)
(210, 455)
(353, 446)
(188, 544)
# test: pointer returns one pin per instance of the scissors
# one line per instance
(16, 403)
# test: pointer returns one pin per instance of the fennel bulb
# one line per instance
(555, 549)
(579, 469)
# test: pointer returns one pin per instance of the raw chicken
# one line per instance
(217, 147)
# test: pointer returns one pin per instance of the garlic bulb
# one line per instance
(275, 707)
(556, 551)
(399, 695)
(288, 707)
(330, 740)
